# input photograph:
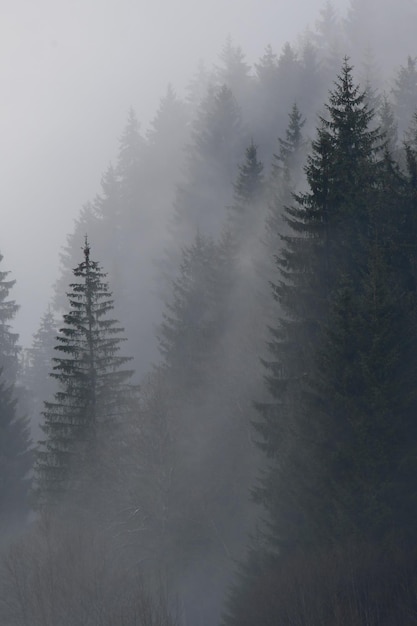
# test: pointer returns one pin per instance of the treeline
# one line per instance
(265, 273)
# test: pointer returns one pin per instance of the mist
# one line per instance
(207, 323)
(70, 72)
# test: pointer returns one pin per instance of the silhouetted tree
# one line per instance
(94, 396)
(15, 453)
(328, 225)
(9, 348)
(405, 94)
(15, 461)
(38, 366)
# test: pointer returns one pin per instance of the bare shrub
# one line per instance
(70, 575)
(357, 585)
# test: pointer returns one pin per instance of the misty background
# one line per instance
(69, 71)
(191, 144)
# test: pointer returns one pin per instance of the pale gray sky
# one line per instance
(69, 70)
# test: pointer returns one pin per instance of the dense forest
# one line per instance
(216, 422)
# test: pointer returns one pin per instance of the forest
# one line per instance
(216, 421)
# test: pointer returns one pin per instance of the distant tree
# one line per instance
(86, 222)
(267, 66)
(286, 171)
(189, 323)
(94, 396)
(405, 94)
(289, 76)
(198, 87)
(38, 366)
(15, 461)
(167, 134)
(217, 140)
(9, 348)
(15, 453)
(367, 19)
(233, 72)
(327, 27)
(388, 124)
(245, 212)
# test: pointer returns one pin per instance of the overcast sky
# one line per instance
(69, 70)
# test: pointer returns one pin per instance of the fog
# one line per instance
(69, 71)
(257, 237)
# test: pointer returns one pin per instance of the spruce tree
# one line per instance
(245, 214)
(15, 452)
(234, 73)
(9, 348)
(38, 365)
(405, 94)
(284, 179)
(94, 397)
(186, 335)
(15, 461)
(329, 224)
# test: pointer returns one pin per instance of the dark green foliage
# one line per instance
(327, 242)
(94, 395)
(282, 183)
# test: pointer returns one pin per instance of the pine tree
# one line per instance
(9, 348)
(186, 335)
(234, 72)
(15, 461)
(245, 213)
(388, 125)
(39, 356)
(267, 68)
(15, 453)
(405, 94)
(217, 143)
(286, 170)
(94, 396)
(328, 240)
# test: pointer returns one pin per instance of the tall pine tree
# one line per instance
(94, 396)
(328, 241)
(15, 448)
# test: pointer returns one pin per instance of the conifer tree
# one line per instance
(234, 72)
(388, 125)
(38, 366)
(405, 94)
(283, 181)
(245, 212)
(189, 324)
(328, 225)
(9, 348)
(94, 396)
(217, 142)
(15, 447)
(15, 460)
(267, 68)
